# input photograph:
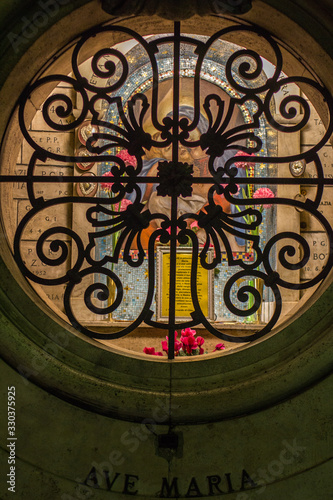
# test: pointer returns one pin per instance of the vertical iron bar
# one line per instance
(173, 235)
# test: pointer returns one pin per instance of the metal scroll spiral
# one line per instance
(113, 70)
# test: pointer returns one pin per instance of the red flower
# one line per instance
(106, 186)
(165, 345)
(187, 332)
(127, 158)
(219, 347)
(123, 205)
(178, 345)
(264, 192)
(190, 343)
(151, 350)
(200, 341)
(243, 164)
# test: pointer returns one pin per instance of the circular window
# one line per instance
(171, 193)
(129, 174)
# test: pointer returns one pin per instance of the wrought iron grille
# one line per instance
(206, 126)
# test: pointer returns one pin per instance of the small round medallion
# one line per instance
(86, 188)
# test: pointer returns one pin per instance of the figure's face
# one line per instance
(184, 154)
(167, 152)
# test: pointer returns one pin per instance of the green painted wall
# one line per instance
(285, 449)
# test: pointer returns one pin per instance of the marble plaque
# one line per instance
(318, 243)
(309, 223)
(55, 216)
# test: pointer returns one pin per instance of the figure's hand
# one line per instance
(219, 199)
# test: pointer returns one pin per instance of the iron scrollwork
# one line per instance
(174, 179)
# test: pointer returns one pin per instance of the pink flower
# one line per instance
(151, 350)
(200, 341)
(178, 345)
(127, 158)
(264, 192)
(219, 347)
(194, 225)
(243, 164)
(187, 332)
(106, 186)
(165, 345)
(123, 205)
(190, 343)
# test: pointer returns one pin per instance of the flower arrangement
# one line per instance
(243, 164)
(264, 192)
(187, 345)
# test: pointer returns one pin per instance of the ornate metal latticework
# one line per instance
(208, 133)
